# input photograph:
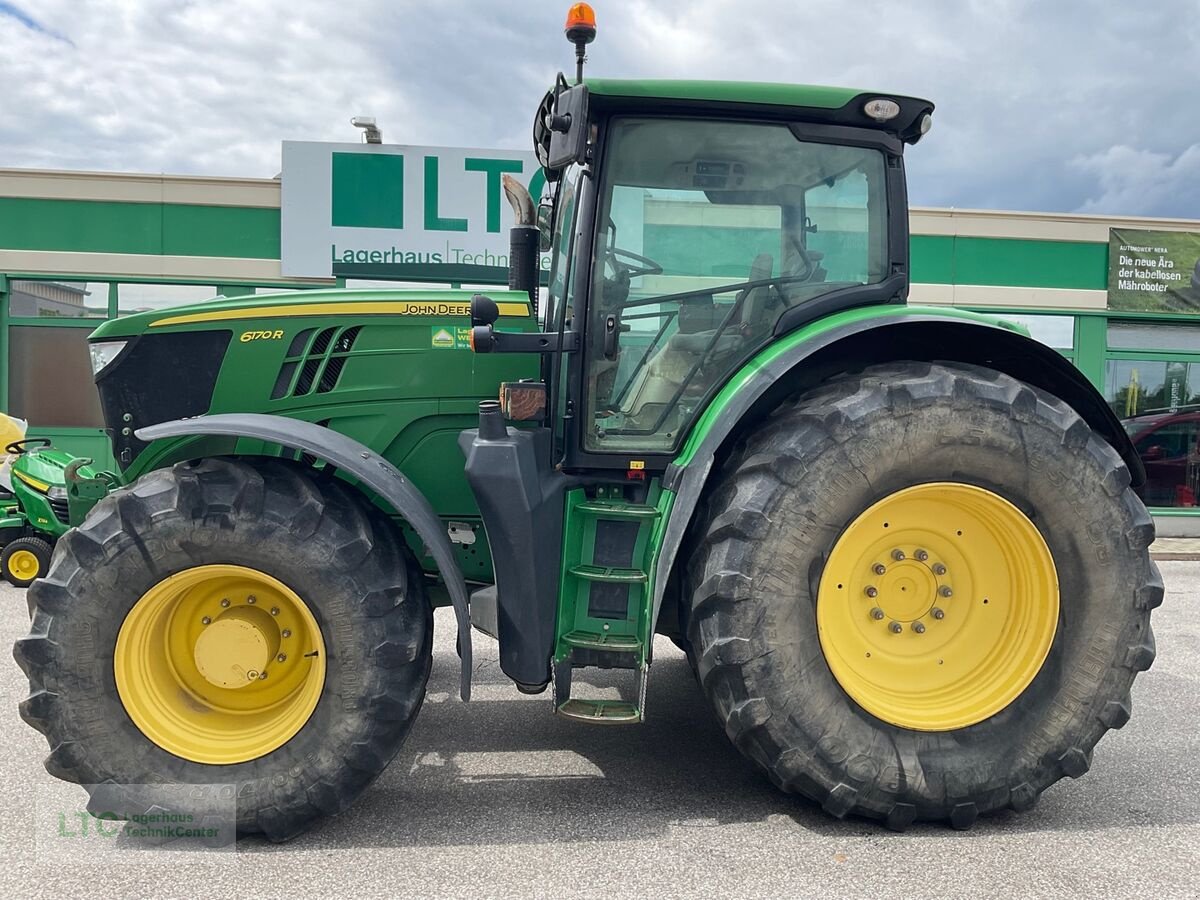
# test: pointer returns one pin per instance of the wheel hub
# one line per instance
(24, 565)
(938, 606)
(220, 664)
(235, 649)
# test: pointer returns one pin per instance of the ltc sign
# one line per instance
(392, 211)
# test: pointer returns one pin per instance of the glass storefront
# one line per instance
(1156, 395)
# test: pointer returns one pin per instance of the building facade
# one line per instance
(77, 248)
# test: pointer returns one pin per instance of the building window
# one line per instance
(58, 299)
(136, 298)
(1053, 331)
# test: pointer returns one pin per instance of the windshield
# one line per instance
(709, 232)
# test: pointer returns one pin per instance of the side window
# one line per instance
(707, 232)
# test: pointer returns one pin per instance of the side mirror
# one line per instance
(568, 125)
(545, 225)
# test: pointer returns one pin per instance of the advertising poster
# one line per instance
(1153, 271)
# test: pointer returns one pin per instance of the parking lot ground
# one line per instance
(500, 798)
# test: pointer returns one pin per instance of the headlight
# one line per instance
(103, 353)
(881, 109)
(57, 493)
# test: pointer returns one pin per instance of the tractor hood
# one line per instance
(299, 354)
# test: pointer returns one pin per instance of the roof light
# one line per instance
(581, 24)
(881, 109)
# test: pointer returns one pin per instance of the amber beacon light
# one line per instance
(580, 31)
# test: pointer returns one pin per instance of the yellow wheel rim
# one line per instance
(24, 565)
(938, 606)
(220, 664)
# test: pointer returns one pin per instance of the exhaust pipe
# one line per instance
(524, 239)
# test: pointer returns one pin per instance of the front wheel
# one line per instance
(25, 560)
(228, 623)
(922, 592)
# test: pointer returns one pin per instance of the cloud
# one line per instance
(1143, 183)
(1027, 92)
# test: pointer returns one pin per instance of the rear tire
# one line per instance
(345, 560)
(25, 560)
(792, 489)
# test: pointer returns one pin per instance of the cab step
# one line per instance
(601, 712)
(608, 510)
(602, 640)
(609, 573)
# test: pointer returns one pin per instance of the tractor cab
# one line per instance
(692, 225)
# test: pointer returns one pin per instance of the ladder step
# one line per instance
(608, 573)
(623, 643)
(601, 712)
(604, 510)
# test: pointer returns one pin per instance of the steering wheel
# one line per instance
(19, 447)
(642, 265)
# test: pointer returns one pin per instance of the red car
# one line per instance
(1169, 445)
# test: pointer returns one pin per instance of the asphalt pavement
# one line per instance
(499, 797)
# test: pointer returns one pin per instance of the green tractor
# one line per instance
(899, 545)
(37, 511)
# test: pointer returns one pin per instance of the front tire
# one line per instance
(790, 615)
(25, 560)
(165, 611)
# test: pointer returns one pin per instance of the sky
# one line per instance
(1051, 105)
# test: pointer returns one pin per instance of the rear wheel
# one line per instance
(25, 560)
(922, 592)
(229, 623)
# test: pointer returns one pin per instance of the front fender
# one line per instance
(368, 467)
(851, 340)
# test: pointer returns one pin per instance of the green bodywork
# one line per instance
(404, 391)
(747, 93)
(31, 512)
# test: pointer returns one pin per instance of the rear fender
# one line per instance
(371, 469)
(847, 342)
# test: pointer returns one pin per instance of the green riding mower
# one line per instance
(38, 509)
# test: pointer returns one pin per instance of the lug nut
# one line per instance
(287, 632)
(922, 555)
(879, 568)
(225, 602)
(939, 569)
(877, 613)
(872, 592)
(938, 614)
(282, 657)
(274, 610)
(896, 627)
(262, 676)
(897, 554)
(251, 599)
(919, 627)
(945, 591)
(207, 620)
